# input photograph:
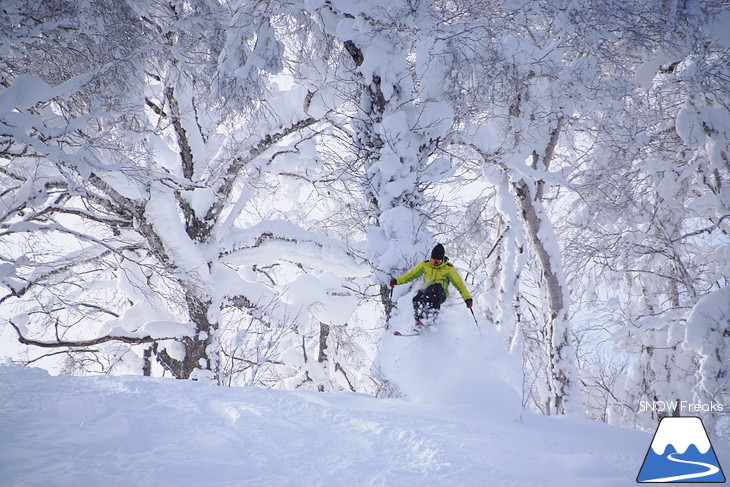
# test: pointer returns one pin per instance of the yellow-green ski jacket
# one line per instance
(444, 274)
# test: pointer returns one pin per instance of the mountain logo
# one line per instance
(681, 452)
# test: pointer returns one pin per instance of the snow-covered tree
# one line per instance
(394, 130)
(651, 214)
(134, 169)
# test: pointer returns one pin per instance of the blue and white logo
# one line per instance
(681, 452)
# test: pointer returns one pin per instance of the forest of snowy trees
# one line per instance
(221, 189)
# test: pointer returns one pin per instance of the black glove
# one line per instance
(468, 303)
(392, 282)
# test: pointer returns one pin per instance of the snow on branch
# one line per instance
(148, 333)
(271, 241)
(262, 146)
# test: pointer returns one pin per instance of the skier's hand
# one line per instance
(392, 282)
(468, 303)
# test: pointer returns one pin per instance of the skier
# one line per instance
(437, 274)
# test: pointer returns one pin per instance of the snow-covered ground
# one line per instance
(136, 431)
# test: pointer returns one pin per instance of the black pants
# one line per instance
(427, 302)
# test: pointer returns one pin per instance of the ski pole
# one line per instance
(475, 321)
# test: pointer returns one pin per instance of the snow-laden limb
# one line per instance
(151, 332)
(28, 90)
(268, 241)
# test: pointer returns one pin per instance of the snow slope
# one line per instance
(124, 431)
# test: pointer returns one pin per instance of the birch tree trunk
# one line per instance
(562, 377)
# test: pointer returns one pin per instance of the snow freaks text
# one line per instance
(677, 406)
